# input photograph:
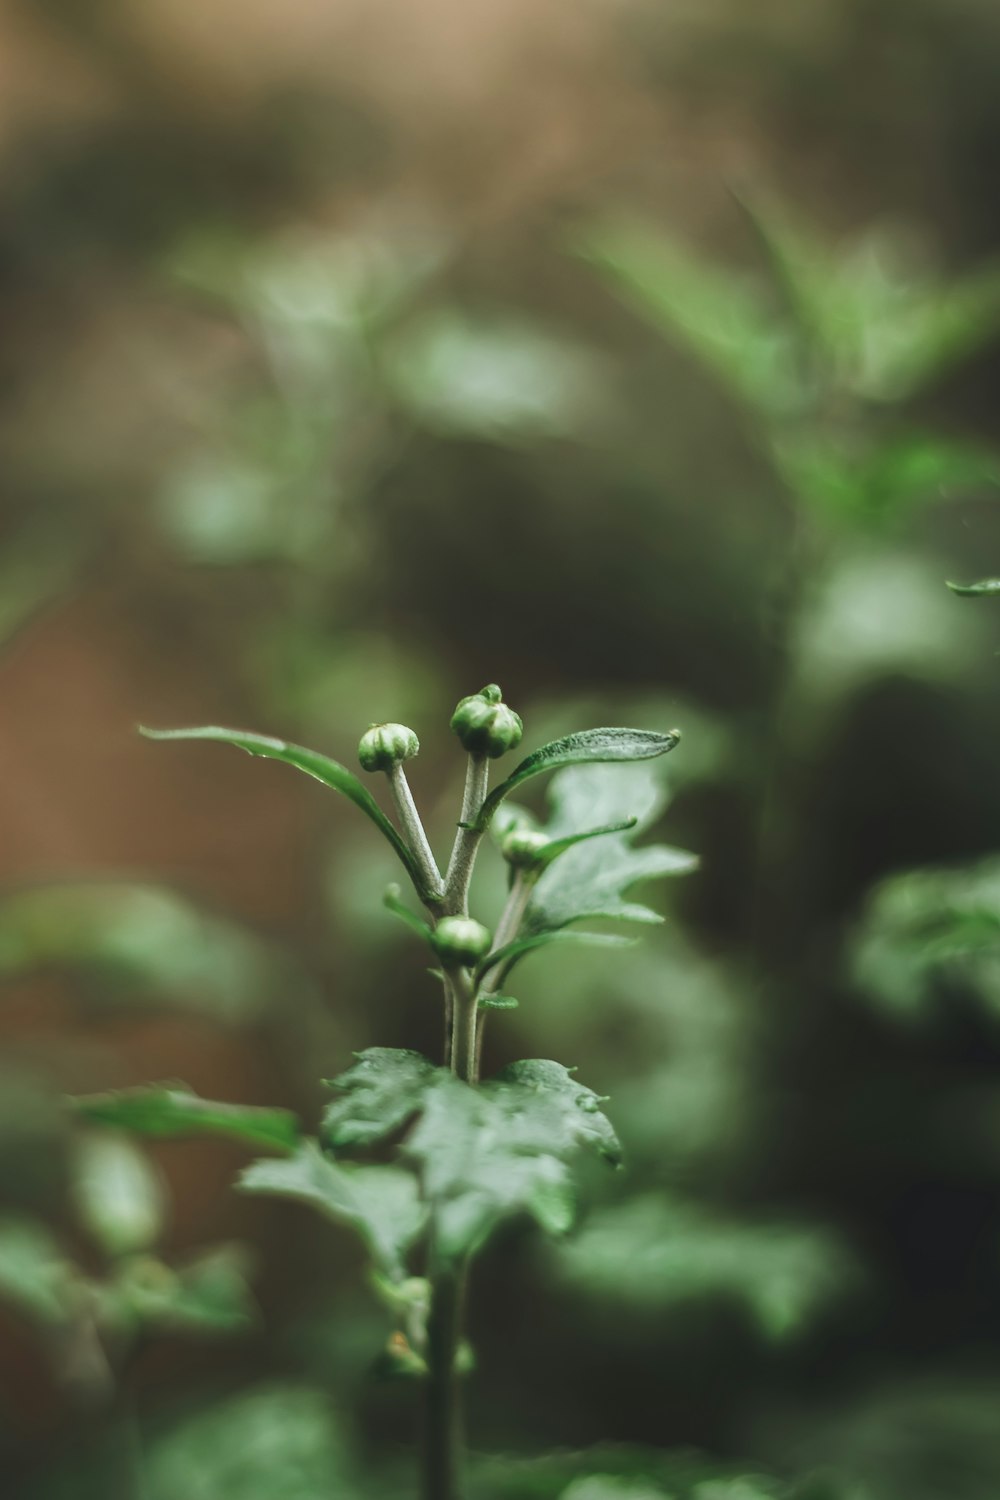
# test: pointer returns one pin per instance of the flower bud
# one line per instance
(461, 942)
(385, 746)
(485, 725)
(522, 846)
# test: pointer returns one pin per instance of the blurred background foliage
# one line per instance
(644, 358)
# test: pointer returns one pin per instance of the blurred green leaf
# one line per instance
(984, 586)
(625, 1472)
(576, 749)
(330, 772)
(383, 1089)
(34, 1274)
(381, 1203)
(210, 1294)
(721, 314)
(592, 878)
(499, 379)
(658, 1250)
(167, 1111)
(140, 941)
(259, 1445)
(925, 931)
(119, 1194)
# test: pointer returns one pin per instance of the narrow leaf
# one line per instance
(392, 902)
(984, 586)
(588, 745)
(553, 850)
(167, 1111)
(506, 957)
(379, 1094)
(381, 1203)
(330, 772)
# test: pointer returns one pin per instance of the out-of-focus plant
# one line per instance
(472, 1152)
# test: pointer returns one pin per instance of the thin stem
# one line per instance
(441, 1479)
(413, 830)
(463, 1033)
(510, 921)
(467, 839)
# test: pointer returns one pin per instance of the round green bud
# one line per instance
(461, 942)
(386, 745)
(522, 846)
(485, 725)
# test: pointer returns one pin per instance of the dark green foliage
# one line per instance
(167, 1111)
(385, 1087)
(381, 1203)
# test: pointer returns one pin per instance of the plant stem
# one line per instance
(510, 921)
(441, 1479)
(467, 840)
(413, 829)
(463, 1030)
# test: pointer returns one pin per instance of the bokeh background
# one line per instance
(644, 358)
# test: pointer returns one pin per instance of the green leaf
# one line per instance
(119, 1194)
(984, 586)
(379, 1094)
(381, 1203)
(503, 959)
(719, 313)
(925, 932)
(575, 749)
(166, 1111)
(474, 1179)
(592, 878)
(210, 1294)
(552, 850)
(35, 1276)
(392, 902)
(487, 1154)
(330, 772)
(549, 1106)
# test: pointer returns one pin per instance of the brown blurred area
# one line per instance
(406, 561)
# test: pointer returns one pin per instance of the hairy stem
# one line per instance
(468, 838)
(413, 830)
(509, 924)
(463, 1029)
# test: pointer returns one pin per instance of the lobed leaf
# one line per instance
(385, 1087)
(330, 772)
(167, 1111)
(592, 878)
(491, 1153)
(381, 1203)
(608, 744)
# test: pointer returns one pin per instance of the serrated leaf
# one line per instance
(376, 1096)
(984, 586)
(487, 1154)
(592, 878)
(473, 1178)
(167, 1111)
(548, 1105)
(381, 1203)
(609, 744)
(330, 772)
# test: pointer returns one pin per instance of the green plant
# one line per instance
(472, 1153)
